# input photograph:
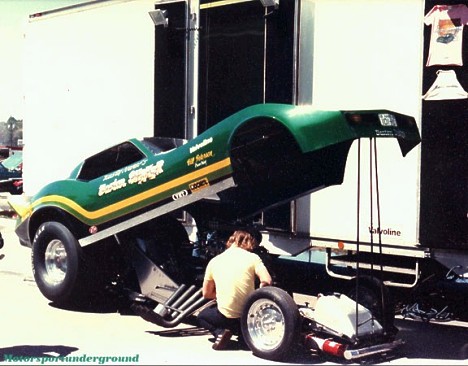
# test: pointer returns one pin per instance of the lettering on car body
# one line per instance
(199, 184)
(200, 159)
(180, 194)
(111, 187)
(201, 144)
(137, 176)
(142, 175)
(124, 170)
(384, 133)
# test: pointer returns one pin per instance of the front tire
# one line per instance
(56, 262)
(270, 323)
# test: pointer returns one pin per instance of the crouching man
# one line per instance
(230, 279)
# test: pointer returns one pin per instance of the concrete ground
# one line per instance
(33, 326)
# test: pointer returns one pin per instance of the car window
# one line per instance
(110, 160)
(158, 145)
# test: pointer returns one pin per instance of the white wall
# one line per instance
(367, 55)
(88, 82)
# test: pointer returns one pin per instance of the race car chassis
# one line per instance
(330, 327)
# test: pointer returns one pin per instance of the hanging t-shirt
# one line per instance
(447, 23)
(446, 86)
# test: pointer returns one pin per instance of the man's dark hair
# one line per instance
(256, 234)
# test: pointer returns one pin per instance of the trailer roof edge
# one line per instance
(73, 8)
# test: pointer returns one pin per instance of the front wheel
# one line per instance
(56, 262)
(270, 322)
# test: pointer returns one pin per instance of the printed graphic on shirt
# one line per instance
(447, 30)
(445, 47)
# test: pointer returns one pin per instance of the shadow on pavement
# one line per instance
(98, 305)
(10, 354)
(297, 355)
(181, 332)
(433, 341)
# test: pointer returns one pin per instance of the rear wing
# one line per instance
(383, 123)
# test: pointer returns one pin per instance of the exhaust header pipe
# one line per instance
(181, 304)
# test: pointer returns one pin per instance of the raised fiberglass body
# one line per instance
(256, 158)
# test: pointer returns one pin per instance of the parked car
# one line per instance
(11, 174)
(115, 219)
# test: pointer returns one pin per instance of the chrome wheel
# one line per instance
(55, 262)
(265, 324)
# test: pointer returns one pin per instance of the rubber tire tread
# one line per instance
(74, 282)
(291, 319)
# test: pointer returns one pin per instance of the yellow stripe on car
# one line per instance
(93, 215)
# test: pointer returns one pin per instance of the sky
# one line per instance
(13, 17)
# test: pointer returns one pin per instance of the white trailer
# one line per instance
(409, 209)
(102, 71)
(87, 83)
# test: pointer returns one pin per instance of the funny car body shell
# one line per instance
(102, 192)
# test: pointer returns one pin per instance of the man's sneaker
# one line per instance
(222, 339)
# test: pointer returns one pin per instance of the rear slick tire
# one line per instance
(371, 293)
(270, 323)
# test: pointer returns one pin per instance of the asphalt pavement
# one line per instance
(32, 326)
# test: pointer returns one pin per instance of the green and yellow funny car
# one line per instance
(120, 208)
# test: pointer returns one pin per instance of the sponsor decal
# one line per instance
(127, 169)
(400, 134)
(137, 176)
(388, 231)
(180, 194)
(387, 119)
(199, 184)
(200, 159)
(142, 175)
(201, 144)
(384, 133)
(111, 187)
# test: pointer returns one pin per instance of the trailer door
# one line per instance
(246, 57)
(237, 53)
(169, 71)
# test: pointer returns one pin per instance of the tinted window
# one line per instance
(109, 160)
(159, 145)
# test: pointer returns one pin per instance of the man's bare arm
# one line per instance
(263, 275)
(209, 289)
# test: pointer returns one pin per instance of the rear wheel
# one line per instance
(270, 323)
(374, 295)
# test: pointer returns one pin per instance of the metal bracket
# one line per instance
(345, 261)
